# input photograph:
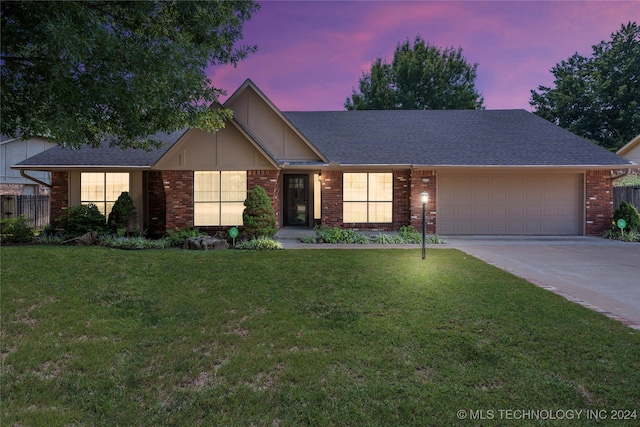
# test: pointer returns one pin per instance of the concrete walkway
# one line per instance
(601, 274)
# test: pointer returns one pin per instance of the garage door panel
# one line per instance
(506, 203)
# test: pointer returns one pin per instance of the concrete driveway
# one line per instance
(601, 274)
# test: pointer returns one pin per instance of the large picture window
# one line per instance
(219, 197)
(102, 189)
(367, 197)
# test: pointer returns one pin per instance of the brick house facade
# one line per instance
(495, 184)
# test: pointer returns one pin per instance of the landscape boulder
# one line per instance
(87, 239)
(205, 243)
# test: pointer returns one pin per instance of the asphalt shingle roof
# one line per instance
(104, 155)
(447, 138)
(397, 137)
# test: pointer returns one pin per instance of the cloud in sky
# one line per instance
(312, 53)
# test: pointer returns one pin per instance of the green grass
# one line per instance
(98, 336)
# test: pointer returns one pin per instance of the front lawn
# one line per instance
(98, 336)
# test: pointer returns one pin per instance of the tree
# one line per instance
(258, 217)
(597, 97)
(84, 71)
(420, 77)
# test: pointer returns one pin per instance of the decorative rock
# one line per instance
(205, 243)
(87, 239)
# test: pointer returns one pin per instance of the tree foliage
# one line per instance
(79, 72)
(258, 217)
(420, 77)
(597, 97)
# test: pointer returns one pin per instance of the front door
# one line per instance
(296, 200)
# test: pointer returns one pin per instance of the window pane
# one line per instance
(206, 186)
(355, 211)
(206, 214)
(116, 184)
(354, 186)
(380, 187)
(232, 213)
(234, 186)
(380, 212)
(91, 186)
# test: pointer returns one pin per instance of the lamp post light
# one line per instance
(424, 198)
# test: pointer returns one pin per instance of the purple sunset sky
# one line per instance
(312, 53)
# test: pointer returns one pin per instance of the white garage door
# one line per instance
(518, 204)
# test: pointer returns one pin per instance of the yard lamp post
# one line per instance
(424, 198)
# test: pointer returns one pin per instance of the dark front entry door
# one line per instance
(296, 200)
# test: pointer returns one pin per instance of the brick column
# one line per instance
(178, 190)
(331, 187)
(599, 202)
(269, 180)
(59, 195)
(401, 198)
(418, 187)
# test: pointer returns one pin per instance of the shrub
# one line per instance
(259, 218)
(177, 238)
(82, 219)
(138, 242)
(123, 214)
(629, 213)
(409, 234)
(15, 230)
(260, 244)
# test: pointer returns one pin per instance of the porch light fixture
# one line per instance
(424, 199)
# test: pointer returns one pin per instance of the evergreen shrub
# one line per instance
(629, 213)
(82, 219)
(259, 218)
(15, 230)
(123, 214)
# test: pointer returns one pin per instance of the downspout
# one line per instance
(36, 180)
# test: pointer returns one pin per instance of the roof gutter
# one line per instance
(36, 180)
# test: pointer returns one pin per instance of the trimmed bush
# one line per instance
(82, 219)
(15, 230)
(123, 214)
(629, 213)
(259, 218)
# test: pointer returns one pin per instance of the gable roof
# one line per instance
(104, 155)
(249, 84)
(635, 142)
(447, 138)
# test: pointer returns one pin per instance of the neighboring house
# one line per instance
(631, 150)
(486, 172)
(15, 150)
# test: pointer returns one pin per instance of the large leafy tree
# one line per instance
(420, 77)
(597, 97)
(84, 71)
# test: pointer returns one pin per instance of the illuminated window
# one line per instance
(219, 197)
(367, 197)
(102, 189)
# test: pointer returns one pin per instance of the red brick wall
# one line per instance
(178, 191)
(331, 187)
(418, 187)
(401, 198)
(598, 202)
(59, 195)
(267, 179)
